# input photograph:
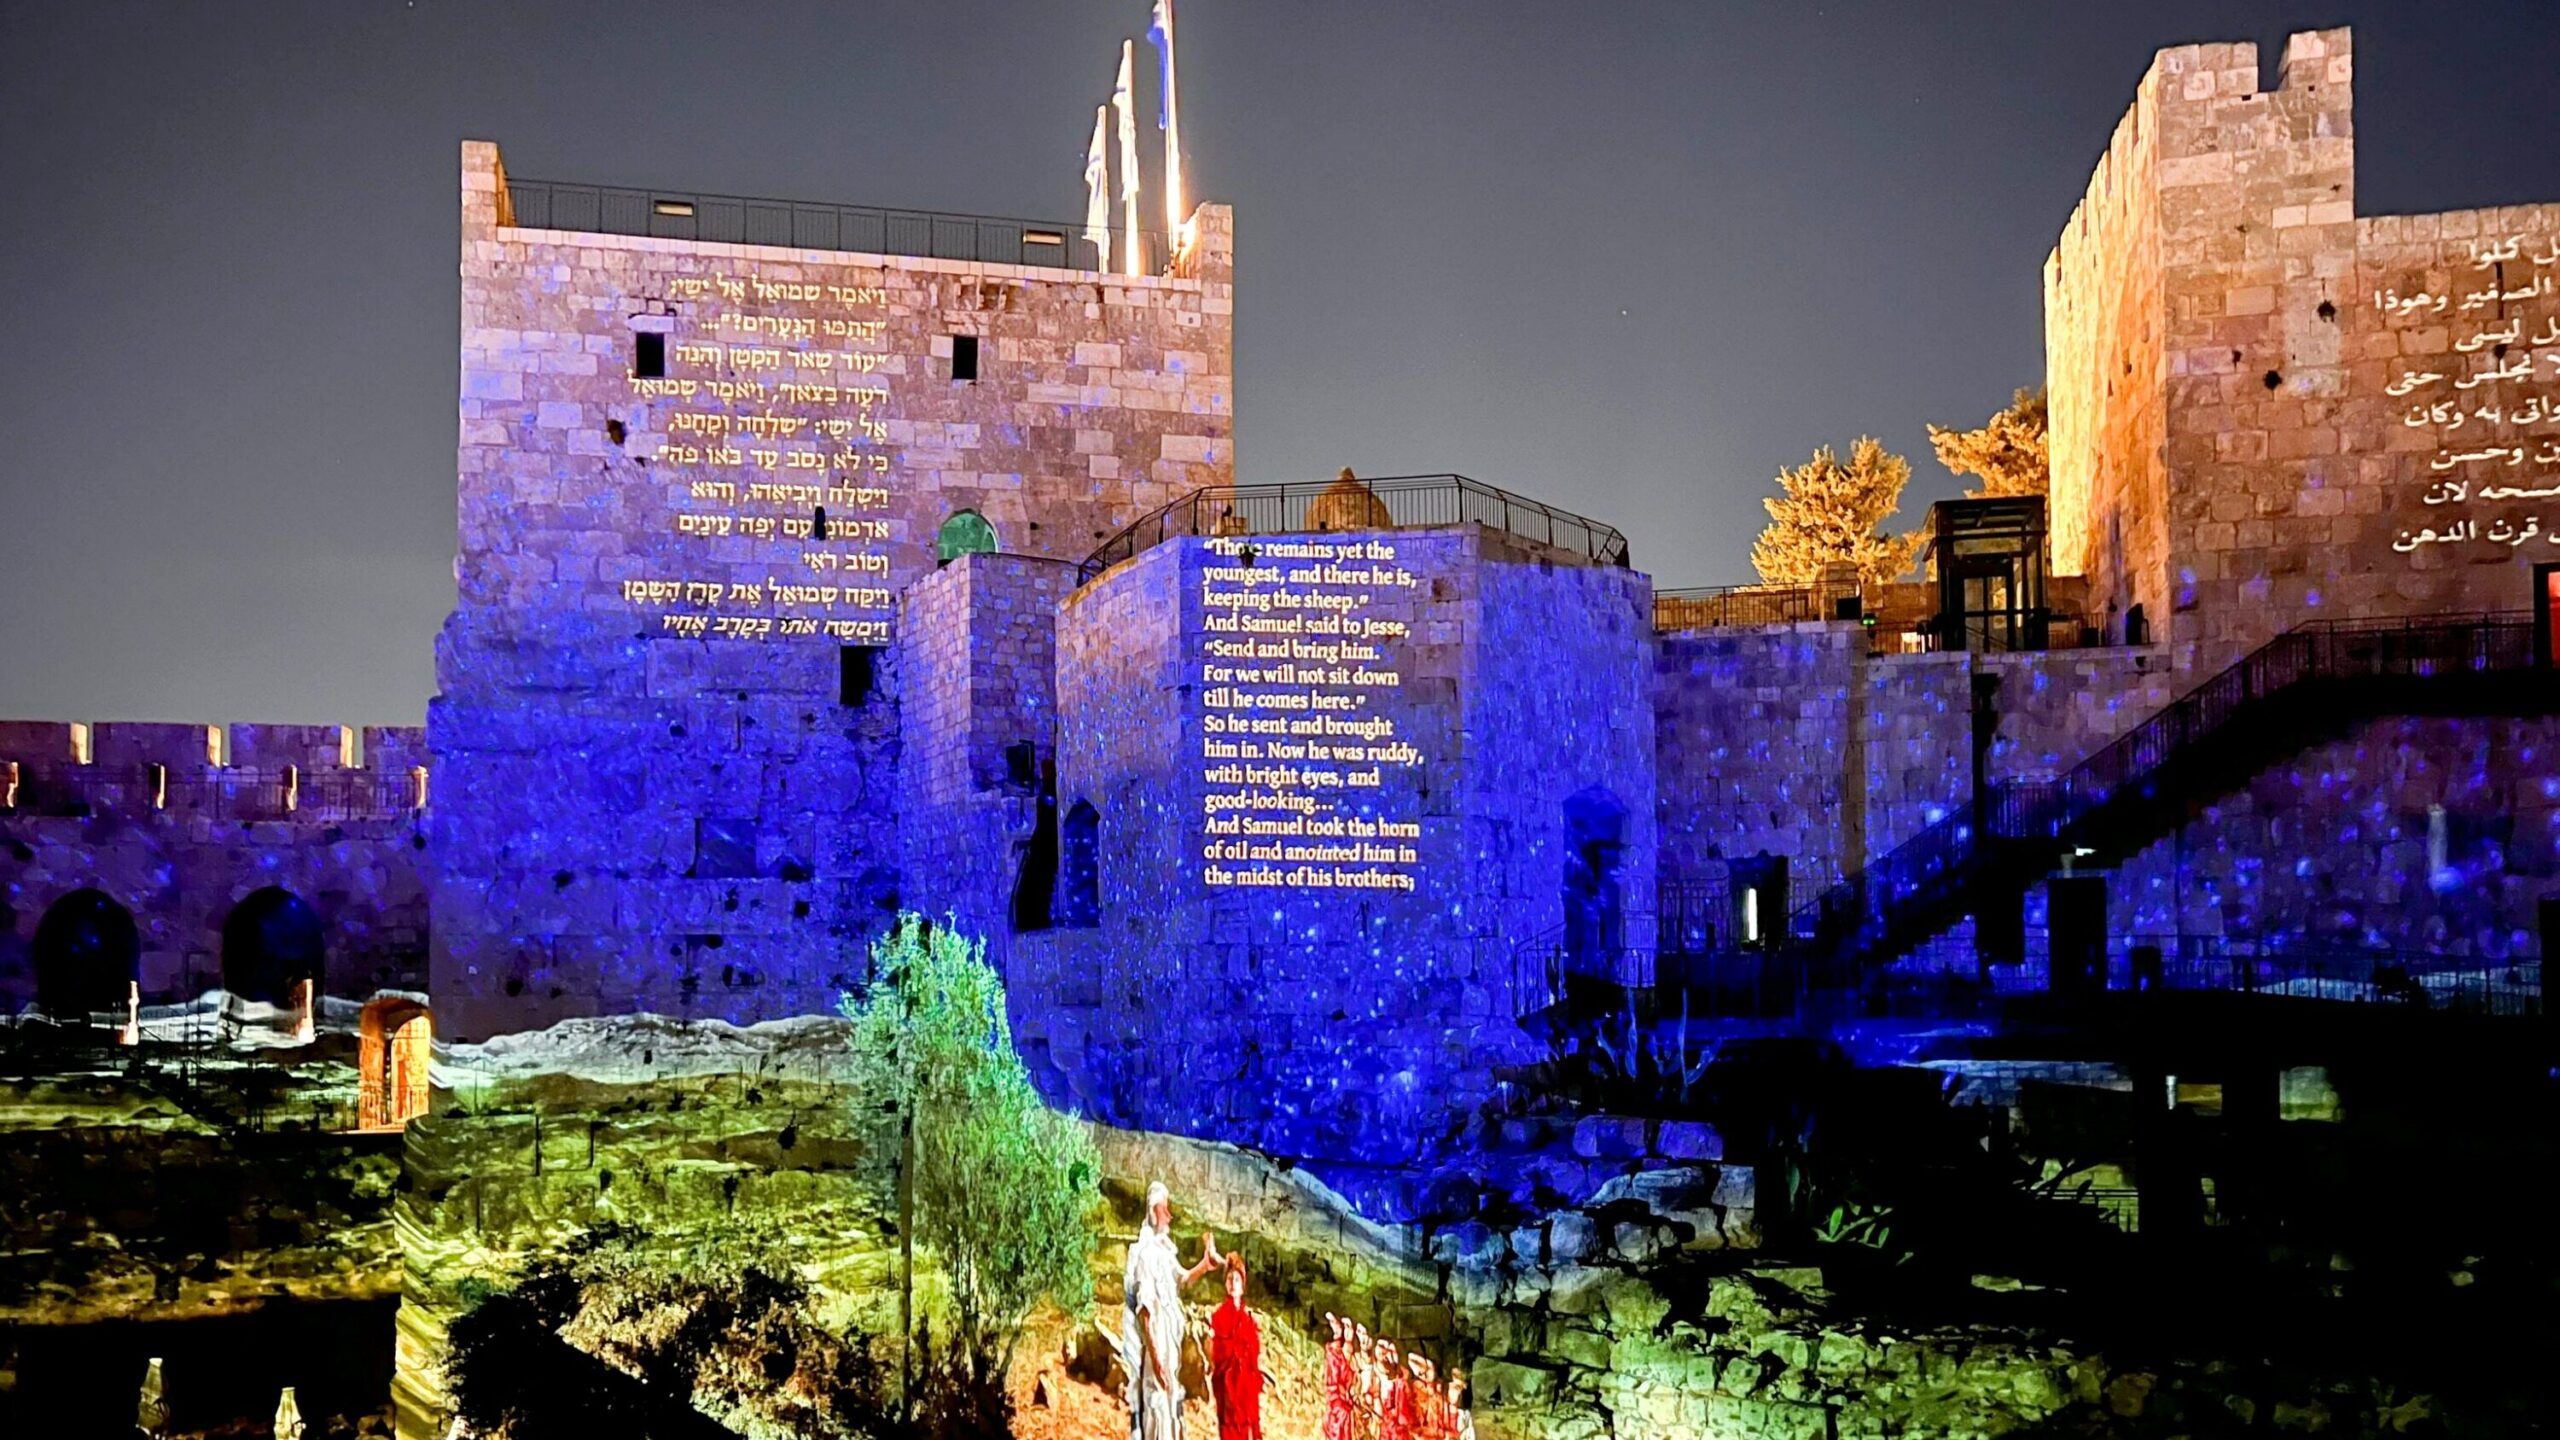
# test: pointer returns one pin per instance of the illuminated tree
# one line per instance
(1833, 513)
(1003, 1191)
(2008, 453)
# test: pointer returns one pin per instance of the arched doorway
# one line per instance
(273, 957)
(966, 533)
(394, 1045)
(88, 961)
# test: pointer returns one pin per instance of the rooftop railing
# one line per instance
(1716, 607)
(1394, 502)
(808, 225)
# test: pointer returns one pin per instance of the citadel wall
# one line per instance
(978, 741)
(695, 480)
(2415, 835)
(178, 823)
(1338, 782)
(2340, 416)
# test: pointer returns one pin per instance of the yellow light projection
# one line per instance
(778, 445)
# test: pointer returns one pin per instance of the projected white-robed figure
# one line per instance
(1152, 1322)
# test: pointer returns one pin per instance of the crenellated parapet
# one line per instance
(308, 774)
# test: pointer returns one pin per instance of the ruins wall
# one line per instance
(180, 846)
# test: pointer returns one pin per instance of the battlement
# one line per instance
(307, 774)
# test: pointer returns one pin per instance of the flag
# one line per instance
(1169, 119)
(1097, 191)
(1133, 261)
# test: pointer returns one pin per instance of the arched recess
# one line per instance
(274, 954)
(88, 957)
(1595, 824)
(966, 533)
(1079, 902)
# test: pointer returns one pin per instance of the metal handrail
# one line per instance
(808, 225)
(1408, 502)
(1931, 865)
(1714, 607)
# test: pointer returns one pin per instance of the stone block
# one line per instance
(1609, 1137)
(1577, 1289)
(1688, 1140)
(1501, 1384)
(1571, 1236)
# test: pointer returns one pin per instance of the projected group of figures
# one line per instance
(1309, 782)
(1373, 1389)
(2482, 381)
(776, 454)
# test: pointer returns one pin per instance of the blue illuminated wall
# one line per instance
(1324, 1020)
(1790, 741)
(695, 484)
(978, 724)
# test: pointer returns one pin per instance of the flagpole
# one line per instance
(1133, 262)
(1097, 190)
(1174, 218)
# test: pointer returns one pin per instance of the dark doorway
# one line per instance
(88, 956)
(2076, 920)
(1035, 879)
(1595, 919)
(271, 945)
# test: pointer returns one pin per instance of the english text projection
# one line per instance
(1308, 783)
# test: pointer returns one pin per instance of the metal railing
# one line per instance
(1801, 985)
(307, 796)
(1931, 868)
(1393, 502)
(809, 225)
(1716, 607)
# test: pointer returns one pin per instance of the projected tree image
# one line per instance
(1004, 1191)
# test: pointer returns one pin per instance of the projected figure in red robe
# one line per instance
(1235, 1361)
(1337, 1379)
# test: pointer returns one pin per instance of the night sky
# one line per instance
(1627, 258)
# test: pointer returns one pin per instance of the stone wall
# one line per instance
(1793, 740)
(977, 645)
(1523, 687)
(2268, 409)
(1096, 398)
(2106, 369)
(668, 734)
(1752, 750)
(687, 827)
(180, 844)
(2331, 849)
